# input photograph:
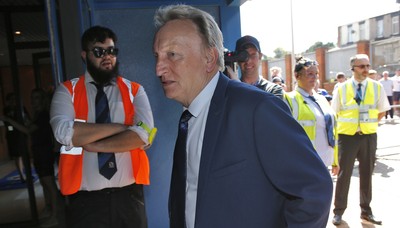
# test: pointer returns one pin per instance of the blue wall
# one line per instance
(135, 30)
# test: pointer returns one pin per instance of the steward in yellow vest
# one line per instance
(359, 103)
(313, 112)
(351, 115)
(305, 116)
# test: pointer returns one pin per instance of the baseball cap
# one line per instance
(277, 79)
(340, 74)
(243, 42)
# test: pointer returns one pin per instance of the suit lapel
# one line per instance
(213, 128)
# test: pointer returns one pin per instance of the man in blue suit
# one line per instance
(246, 161)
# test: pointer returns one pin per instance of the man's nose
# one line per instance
(161, 68)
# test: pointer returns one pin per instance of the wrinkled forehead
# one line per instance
(177, 33)
(360, 58)
(361, 61)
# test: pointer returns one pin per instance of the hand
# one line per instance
(335, 170)
(231, 73)
(91, 147)
(146, 147)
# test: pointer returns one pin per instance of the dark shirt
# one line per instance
(43, 135)
(270, 87)
(14, 137)
(12, 134)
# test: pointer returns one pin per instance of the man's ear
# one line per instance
(212, 58)
(83, 56)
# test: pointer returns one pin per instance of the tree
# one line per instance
(319, 44)
(280, 53)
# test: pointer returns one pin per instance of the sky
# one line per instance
(313, 20)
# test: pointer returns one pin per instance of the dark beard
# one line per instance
(100, 76)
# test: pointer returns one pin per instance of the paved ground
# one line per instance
(386, 186)
(386, 190)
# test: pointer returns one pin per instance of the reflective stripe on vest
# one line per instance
(349, 113)
(303, 114)
(70, 171)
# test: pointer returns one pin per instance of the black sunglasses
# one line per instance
(362, 66)
(100, 52)
(304, 62)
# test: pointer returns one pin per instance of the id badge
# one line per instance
(364, 115)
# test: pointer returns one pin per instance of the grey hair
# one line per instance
(207, 27)
(356, 57)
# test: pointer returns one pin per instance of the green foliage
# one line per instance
(320, 45)
(280, 53)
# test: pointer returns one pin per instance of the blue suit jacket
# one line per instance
(258, 168)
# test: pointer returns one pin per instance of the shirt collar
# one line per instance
(204, 97)
(89, 79)
(256, 83)
(355, 82)
(303, 92)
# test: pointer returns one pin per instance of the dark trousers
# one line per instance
(390, 112)
(107, 208)
(362, 147)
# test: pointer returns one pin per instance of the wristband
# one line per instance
(151, 132)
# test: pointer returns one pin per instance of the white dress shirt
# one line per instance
(388, 86)
(396, 83)
(62, 120)
(197, 124)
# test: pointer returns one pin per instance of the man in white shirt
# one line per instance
(388, 86)
(396, 90)
(104, 122)
(340, 78)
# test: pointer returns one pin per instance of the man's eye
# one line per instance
(171, 54)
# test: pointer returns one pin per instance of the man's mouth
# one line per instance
(107, 65)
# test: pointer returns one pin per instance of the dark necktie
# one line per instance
(358, 94)
(177, 193)
(107, 164)
(328, 124)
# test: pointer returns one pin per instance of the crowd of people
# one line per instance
(235, 164)
(342, 127)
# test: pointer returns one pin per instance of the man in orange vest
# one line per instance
(104, 123)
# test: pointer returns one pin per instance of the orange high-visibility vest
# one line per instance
(70, 167)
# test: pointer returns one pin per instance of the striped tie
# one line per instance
(177, 193)
(358, 94)
(107, 164)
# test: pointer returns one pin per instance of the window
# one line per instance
(395, 25)
(379, 28)
(362, 31)
(349, 34)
